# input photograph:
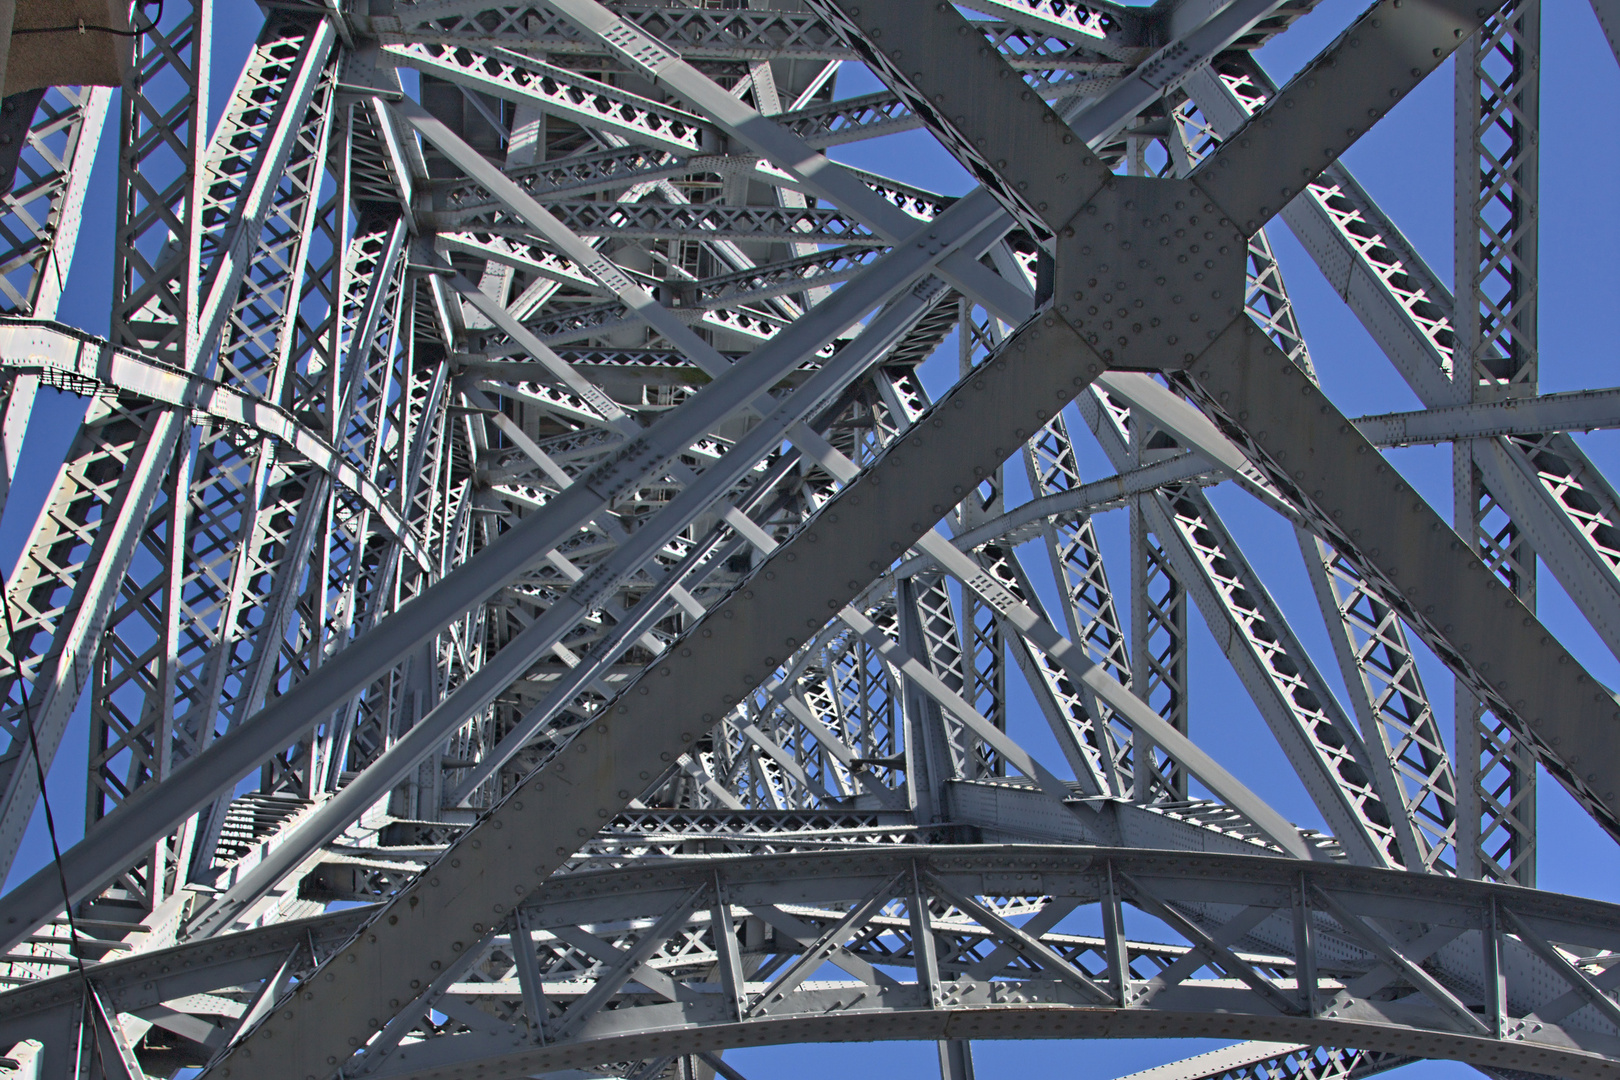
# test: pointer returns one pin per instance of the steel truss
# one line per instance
(515, 506)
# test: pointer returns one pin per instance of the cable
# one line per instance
(151, 23)
(16, 659)
(50, 824)
(39, 774)
(50, 818)
(82, 28)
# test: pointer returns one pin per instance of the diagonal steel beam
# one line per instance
(91, 861)
(1547, 485)
(41, 214)
(1364, 508)
(730, 650)
(541, 635)
(1301, 710)
(1608, 16)
(1305, 126)
(977, 106)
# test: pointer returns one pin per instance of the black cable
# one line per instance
(151, 23)
(50, 818)
(11, 630)
(82, 28)
(50, 821)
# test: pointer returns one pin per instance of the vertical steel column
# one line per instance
(984, 665)
(157, 263)
(955, 1059)
(17, 393)
(1158, 641)
(1497, 121)
(928, 634)
(1497, 176)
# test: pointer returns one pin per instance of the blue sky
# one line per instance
(1406, 163)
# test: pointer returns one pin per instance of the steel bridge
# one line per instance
(533, 618)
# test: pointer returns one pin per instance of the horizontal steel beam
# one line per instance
(77, 363)
(718, 34)
(1575, 410)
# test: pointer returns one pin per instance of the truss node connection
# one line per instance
(565, 576)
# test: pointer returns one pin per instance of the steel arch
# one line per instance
(615, 978)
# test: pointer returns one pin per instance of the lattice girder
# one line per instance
(510, 498)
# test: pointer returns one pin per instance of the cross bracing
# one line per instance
(508, 500)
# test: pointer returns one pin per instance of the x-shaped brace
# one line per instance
(1150, 276)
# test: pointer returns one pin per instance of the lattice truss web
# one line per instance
(535, 618)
